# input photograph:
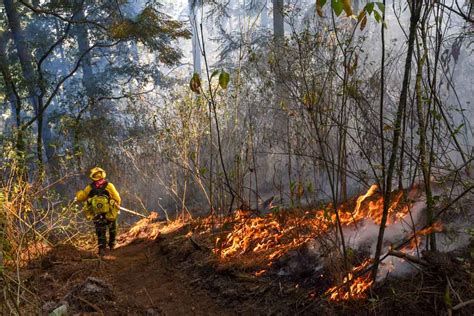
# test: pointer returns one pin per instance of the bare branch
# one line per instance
(59, 16)
(61, 82)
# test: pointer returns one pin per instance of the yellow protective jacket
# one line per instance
(83, 196)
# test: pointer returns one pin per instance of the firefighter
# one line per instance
(102, 205)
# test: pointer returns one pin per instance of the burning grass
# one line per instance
(299, 247)
(352, 288)
(256, 242)
(149, 228)
(267, 237)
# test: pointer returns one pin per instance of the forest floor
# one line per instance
(160, 269)
(133, 279)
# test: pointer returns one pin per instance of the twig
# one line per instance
(95, 307)
(452, 289)
(6, 276)
(149, 297)
(461, 305)
(39, 10)
(194, 281)
(23, 299)
(454, 201)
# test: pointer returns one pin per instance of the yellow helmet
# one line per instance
(97, 173)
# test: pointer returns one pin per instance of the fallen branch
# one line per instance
(461, 305)
(405, 256)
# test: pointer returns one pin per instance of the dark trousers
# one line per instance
(101, 225)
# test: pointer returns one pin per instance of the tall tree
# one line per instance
(30, 78)
(81, 30)
(264, 14)
(278, 22)
(194, 18)
(278, 37)
(5, 69)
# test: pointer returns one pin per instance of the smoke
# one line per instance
(363, 235)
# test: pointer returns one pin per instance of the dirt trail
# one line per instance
(143, 282)
(145, 278)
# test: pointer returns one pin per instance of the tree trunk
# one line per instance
(424, 159)
(86, 65)
(28, 71)
(281, 121)
(471, 9)
(14, 102)
(279, 37)
(415, 16)
(278, 23)
(194, 17)
(264, 15)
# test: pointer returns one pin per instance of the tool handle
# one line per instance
(131, 212)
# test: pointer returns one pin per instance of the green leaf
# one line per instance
(369, 7)
(377, 16)
(214, 73)
(337, 7)
(321, 3)
(224, 79)
(292, 185)
(458, 129)
(381, 6)
(195, 83)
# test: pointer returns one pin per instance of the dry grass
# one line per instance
(32, 222)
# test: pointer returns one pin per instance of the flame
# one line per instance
(416, 237)
(354, 288)
(374, 209)
(270, 235)
(273, 235)
(264, 239)
(357, 215)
